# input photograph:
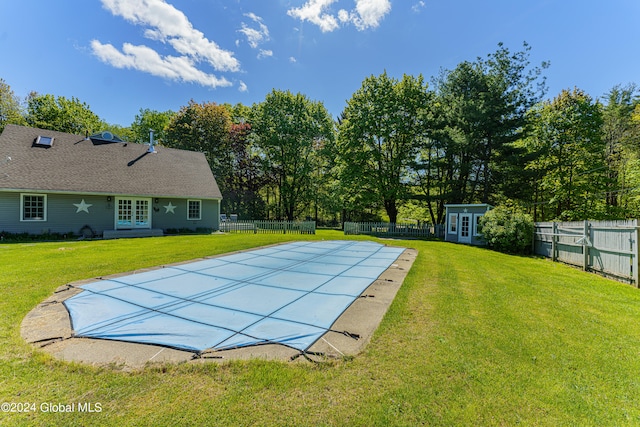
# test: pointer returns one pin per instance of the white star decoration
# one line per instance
(170, 208)
(82, 206)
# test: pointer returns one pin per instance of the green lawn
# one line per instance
(474, 337)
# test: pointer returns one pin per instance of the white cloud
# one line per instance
(265, 53)
(242, 87)
(292, 59)
(367, 14)
(143, 58)
(255, 36)
(418, 6)
(314, 12)
(370, 13)
(167, 25)
(343, 16)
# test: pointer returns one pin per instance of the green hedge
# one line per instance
(509, 231)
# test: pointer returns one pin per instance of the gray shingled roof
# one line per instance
(74, 164)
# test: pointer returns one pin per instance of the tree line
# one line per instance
(401, 149)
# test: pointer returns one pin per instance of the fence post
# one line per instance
(634, 257)
(554, 241)
(585, 247)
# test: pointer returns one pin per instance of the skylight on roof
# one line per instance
(45, 141)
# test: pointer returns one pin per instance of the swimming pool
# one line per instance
(290, 294)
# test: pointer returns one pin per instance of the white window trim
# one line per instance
(476, 218)
(453, 223)
(189, 218)
(44, 211)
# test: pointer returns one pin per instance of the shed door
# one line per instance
(464, 235)
(133, 213)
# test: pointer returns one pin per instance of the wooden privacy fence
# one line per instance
(606, 247)
(271, 227)
(386, 229)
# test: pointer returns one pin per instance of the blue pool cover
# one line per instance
(290, 294)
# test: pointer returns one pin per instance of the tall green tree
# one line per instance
(443, 168)
(620, 136)
(62, 114)
(380, 134)
(147, 120)
(10, 107)
(482, 108)
(240, 113)
(286, 129)
(204, 128)
(571, 160)
(247, 180)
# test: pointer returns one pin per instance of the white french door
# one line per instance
(465, 228)
(133, 213)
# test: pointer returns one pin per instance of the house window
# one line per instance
(477, 227)
(194, 209)
(33, 207)
(453, 223)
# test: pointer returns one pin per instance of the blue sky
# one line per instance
(119, 56)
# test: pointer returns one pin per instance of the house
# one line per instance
(463, 223)
(99, 185)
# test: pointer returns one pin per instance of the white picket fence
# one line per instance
(386, 229)
(606, 247)
(269, 227)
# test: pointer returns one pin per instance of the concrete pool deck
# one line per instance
(48, 326)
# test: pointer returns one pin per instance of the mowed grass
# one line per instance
(474, 337)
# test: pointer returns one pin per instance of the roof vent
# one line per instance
(106, 135)
(151, 148)
(44, 141)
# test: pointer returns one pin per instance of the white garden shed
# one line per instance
(463, 223)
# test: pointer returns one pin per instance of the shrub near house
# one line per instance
(507, 230)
